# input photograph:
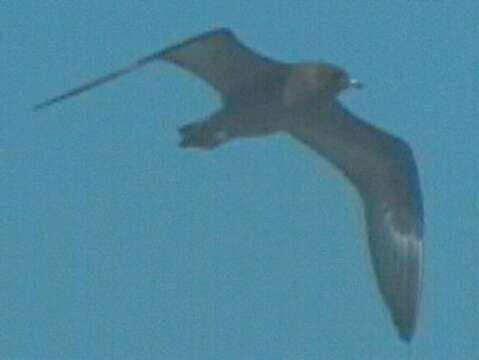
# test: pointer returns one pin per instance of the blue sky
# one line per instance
(116, 243)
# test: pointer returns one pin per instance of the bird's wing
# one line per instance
(220, 59)
(393, 207)
(217, 57)
(383, 169)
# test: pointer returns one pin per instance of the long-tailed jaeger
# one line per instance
(262, 96)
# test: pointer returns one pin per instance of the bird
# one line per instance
(263, 96)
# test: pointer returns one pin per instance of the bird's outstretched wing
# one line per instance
(217, 57)
(383, 169)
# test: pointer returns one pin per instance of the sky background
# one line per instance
(117, 244)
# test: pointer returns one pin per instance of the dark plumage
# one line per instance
(262, 96)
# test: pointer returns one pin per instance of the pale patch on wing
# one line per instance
(403, 240)
(383, 169)
(406, 243)
(397, 259)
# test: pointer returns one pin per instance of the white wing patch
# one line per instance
(408, 247)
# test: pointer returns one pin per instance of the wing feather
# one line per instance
(383, 169)
(220, 59)
(217, 57)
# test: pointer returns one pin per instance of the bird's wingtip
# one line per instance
(406, 338)
(37, 107)
(44, 104)
(406, 335)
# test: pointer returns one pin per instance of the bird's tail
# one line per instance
(201, 134)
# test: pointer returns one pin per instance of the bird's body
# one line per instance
(263, 96)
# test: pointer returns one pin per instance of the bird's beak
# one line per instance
(355, 84)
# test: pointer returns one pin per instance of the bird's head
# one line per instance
(332, 80)
(322, 80)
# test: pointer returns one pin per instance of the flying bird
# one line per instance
(262, 96)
